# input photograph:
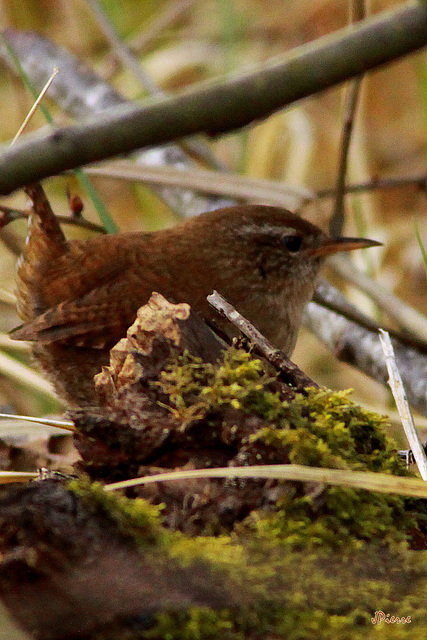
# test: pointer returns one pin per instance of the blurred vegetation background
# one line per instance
(181, 42)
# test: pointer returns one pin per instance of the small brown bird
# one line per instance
(77, 298)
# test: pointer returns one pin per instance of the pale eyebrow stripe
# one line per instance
(269, 229)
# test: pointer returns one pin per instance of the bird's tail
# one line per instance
(45, 243)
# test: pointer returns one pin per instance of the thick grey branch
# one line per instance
(80, 92)
(361, 348)
(218, 108)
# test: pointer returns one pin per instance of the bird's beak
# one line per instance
(334, 245)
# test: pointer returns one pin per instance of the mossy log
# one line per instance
(211, 558)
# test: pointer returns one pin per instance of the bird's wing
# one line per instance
(96, 320)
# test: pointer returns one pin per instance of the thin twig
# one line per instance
(218, 107)
(396, 385)
(352, 313)
(419, 181)
(82, 94)
(11, 214)
(336, 223)
(289, 372)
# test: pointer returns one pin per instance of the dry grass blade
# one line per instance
(8, 343)
(35, 106)
(24, 375)
(229, 185)
(7, 296)
(357, 479)
(61, 424)
(396, 384)
(17, 476)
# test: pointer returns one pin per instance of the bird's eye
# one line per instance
(292, 243)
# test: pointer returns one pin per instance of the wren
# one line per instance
(77, 298)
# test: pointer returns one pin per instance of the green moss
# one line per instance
(325, 559)
(322, 596)
(136, 518)
(196, 388)
(223, 551)
(343, 517)
(274, 591)
(197, 623)
(322, 429)
(327, 429)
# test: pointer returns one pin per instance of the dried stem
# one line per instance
(336, 223)
(418, 181)
(205, 181)
(289, 372)
(340, 477)
(395, 382)
(10, 214)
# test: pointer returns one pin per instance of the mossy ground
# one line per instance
(320, 594)
(322, 562)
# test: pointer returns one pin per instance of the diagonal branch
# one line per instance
(220, 107)
(80, 92)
